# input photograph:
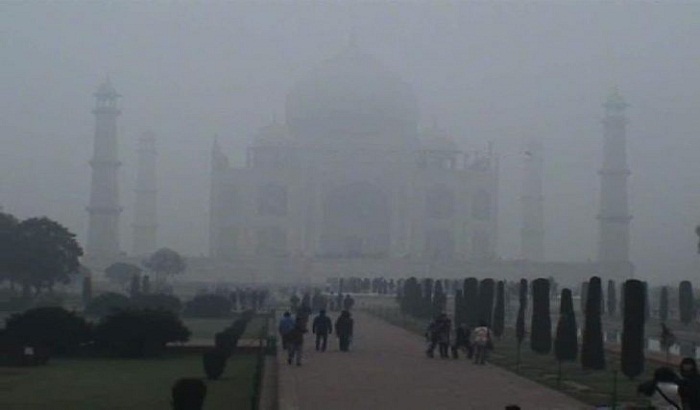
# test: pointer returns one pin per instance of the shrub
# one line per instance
(592, 352)
(214, 361)
(208, 306)
(189, 394)
(55, 328)
(157, 301)
(541, 326)
(632, 354)
(139, 333)
(486, 293)
(499, 311)
(566, 342)
(686, 302)
(106, 304)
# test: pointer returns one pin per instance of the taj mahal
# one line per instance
(349, 183)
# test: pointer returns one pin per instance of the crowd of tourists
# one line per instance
(292, 329)
(474, 344)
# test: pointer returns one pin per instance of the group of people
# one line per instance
(292, 331)
(475, 345)
(669, 390)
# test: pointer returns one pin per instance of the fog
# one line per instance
(496, 71)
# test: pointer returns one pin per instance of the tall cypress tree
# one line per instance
(522, 296)
(427, 308)
(520, 321)
(459, 308)
(499, 311)
(632, 355)
(471, 302)
(486, 294)
(439, 299)
(612, 298)
(685, 302)
(592, 352)
(566, 341)
(663, 304)
(541, 326)
(584, 297)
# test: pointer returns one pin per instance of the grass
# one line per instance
(544, 368)
(98, 384)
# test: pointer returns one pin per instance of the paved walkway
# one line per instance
(390, 371)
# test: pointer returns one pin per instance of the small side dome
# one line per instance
(437, 139)
(273, 135)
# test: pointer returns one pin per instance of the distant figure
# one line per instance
(321, 327)
(462, 341)
(285, 326)
(344, 330)
(294, 303)
(438, 334)
(296, 341)
(689, 389)
(188, 394)
(662, 390)
(482, 342)
(348, 303)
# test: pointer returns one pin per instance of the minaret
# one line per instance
(104, 209)
(532, 230)
(145, 210)
(614, 217)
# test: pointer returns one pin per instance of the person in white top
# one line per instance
(482, 342)
(663, 390)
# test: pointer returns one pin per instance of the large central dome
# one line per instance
(352, 99)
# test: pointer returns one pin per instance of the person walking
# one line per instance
(285, 326)
(463, 342)
(689, 386)
(662, 390)
(296, 341)
(322, 327)
(348, 302)
(438, 334)
(482, 342)
(344, 330)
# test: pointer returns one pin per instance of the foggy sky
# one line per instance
(496, 71)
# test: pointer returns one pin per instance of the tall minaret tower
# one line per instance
(614, 217)
(145, 210)
(104, 209)
(532, 200)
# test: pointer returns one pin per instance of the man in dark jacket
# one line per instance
(689, 387)
(322, 327)
(295, 341)
(344, 329)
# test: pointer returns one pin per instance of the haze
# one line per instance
(501, 72)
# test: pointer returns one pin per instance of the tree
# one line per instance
(122, 272)
(87, 290)
(165, 262)
(55, 328)
(439, 299)
(486, 294)
(541, 330)
(8, 248)
(210, 305)
(471, 301)
(146, 285)
(139, 333)
(686, 302)
(520, 321)
(459, 308)
(592, 352)
(584, 296)
(106, 304)
(499, 312)
(566, 340)
(427, 305)
(663, 304)
(45, 252)
(632, 354)
(612, 298)
(135, 286)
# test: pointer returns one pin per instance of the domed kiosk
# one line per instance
(352, 99)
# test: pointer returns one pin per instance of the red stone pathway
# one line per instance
(387, 369)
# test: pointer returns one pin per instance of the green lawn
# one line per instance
(592, 387)
(96, 384)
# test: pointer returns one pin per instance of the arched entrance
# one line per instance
(355, 222)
